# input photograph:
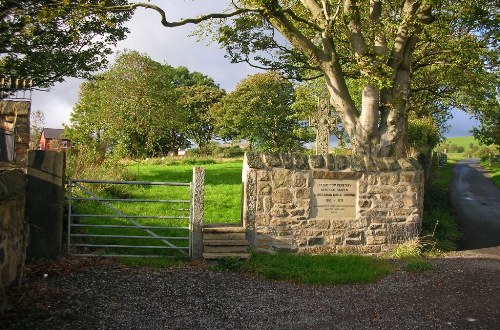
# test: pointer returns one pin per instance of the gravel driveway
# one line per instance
(462, 292)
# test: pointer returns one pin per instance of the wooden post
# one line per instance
(197, 216)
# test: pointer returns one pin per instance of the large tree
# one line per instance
(260, 111)
(47, 40)
(379, 43)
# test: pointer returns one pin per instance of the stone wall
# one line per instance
(13, 226)
(15, 115)
(330, 204)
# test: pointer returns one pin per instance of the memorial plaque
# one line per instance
(334, 198)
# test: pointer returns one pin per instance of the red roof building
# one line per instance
(52, 139)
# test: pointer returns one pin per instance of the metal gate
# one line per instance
(114, 221)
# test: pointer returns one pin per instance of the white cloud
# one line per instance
(165, 45)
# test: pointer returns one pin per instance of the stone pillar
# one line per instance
(197, 216)
(45, 202)
(14, 123)
(13, 227)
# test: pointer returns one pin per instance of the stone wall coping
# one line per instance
(354, 163)
(12, 183)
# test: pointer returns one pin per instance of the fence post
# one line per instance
(197, 206)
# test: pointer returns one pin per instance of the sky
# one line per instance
(175, 47)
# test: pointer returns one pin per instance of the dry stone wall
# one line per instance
(330, 204)
(13, 226)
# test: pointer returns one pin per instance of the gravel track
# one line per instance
(462, 292)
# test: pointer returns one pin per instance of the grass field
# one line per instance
(222, 186)
(463, 141)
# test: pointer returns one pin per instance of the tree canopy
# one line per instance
(140, 107)
(47, 40)
(260, 111)
(403, 55)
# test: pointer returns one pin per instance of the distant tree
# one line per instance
(196, 102)
(37, 124)
(140, 107)
(48, 40)
(259, 110)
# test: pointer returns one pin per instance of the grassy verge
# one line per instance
(494, 170)
(439, 222)
(317, 270)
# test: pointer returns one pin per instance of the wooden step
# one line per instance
(223, 229)
(225, 249)
(224, 236)
(225, 242)
(212, 256)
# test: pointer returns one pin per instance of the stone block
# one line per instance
(370, 165)
(254, 160)
(392, 164)
(322, 224)
(287, 160)
(317, 161)
(281, 179)
(282, 196)
(264, 188)
(400, 212)
(381, 165)
(389, 178)
(365, 203)
(330, 162)
(272, 160)
(341, 163)
(300, 161)
(279, 213)
(357, 163)
(416, 164)
(315, 241)
(267, 203)
(302, 193)
(300, 180)
(338, 224)
(262, 219)
(375, 240)
(406, 164)
(297, 212)
(263, 176)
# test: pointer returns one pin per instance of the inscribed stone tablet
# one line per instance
(334, 198)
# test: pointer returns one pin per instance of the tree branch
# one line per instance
(131, 7)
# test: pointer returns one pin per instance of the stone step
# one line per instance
(225, 249)
(223, 236)
(213, 256)
(225, 242)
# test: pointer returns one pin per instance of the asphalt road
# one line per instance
(476, 201)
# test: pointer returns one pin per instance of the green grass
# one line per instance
(463, 141)
(494, 170)
(438, 221)
(418, 264)
(317, 270)
(223, 186)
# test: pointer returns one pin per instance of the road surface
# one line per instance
(476, 201)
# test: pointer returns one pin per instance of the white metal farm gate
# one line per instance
(98, 226)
